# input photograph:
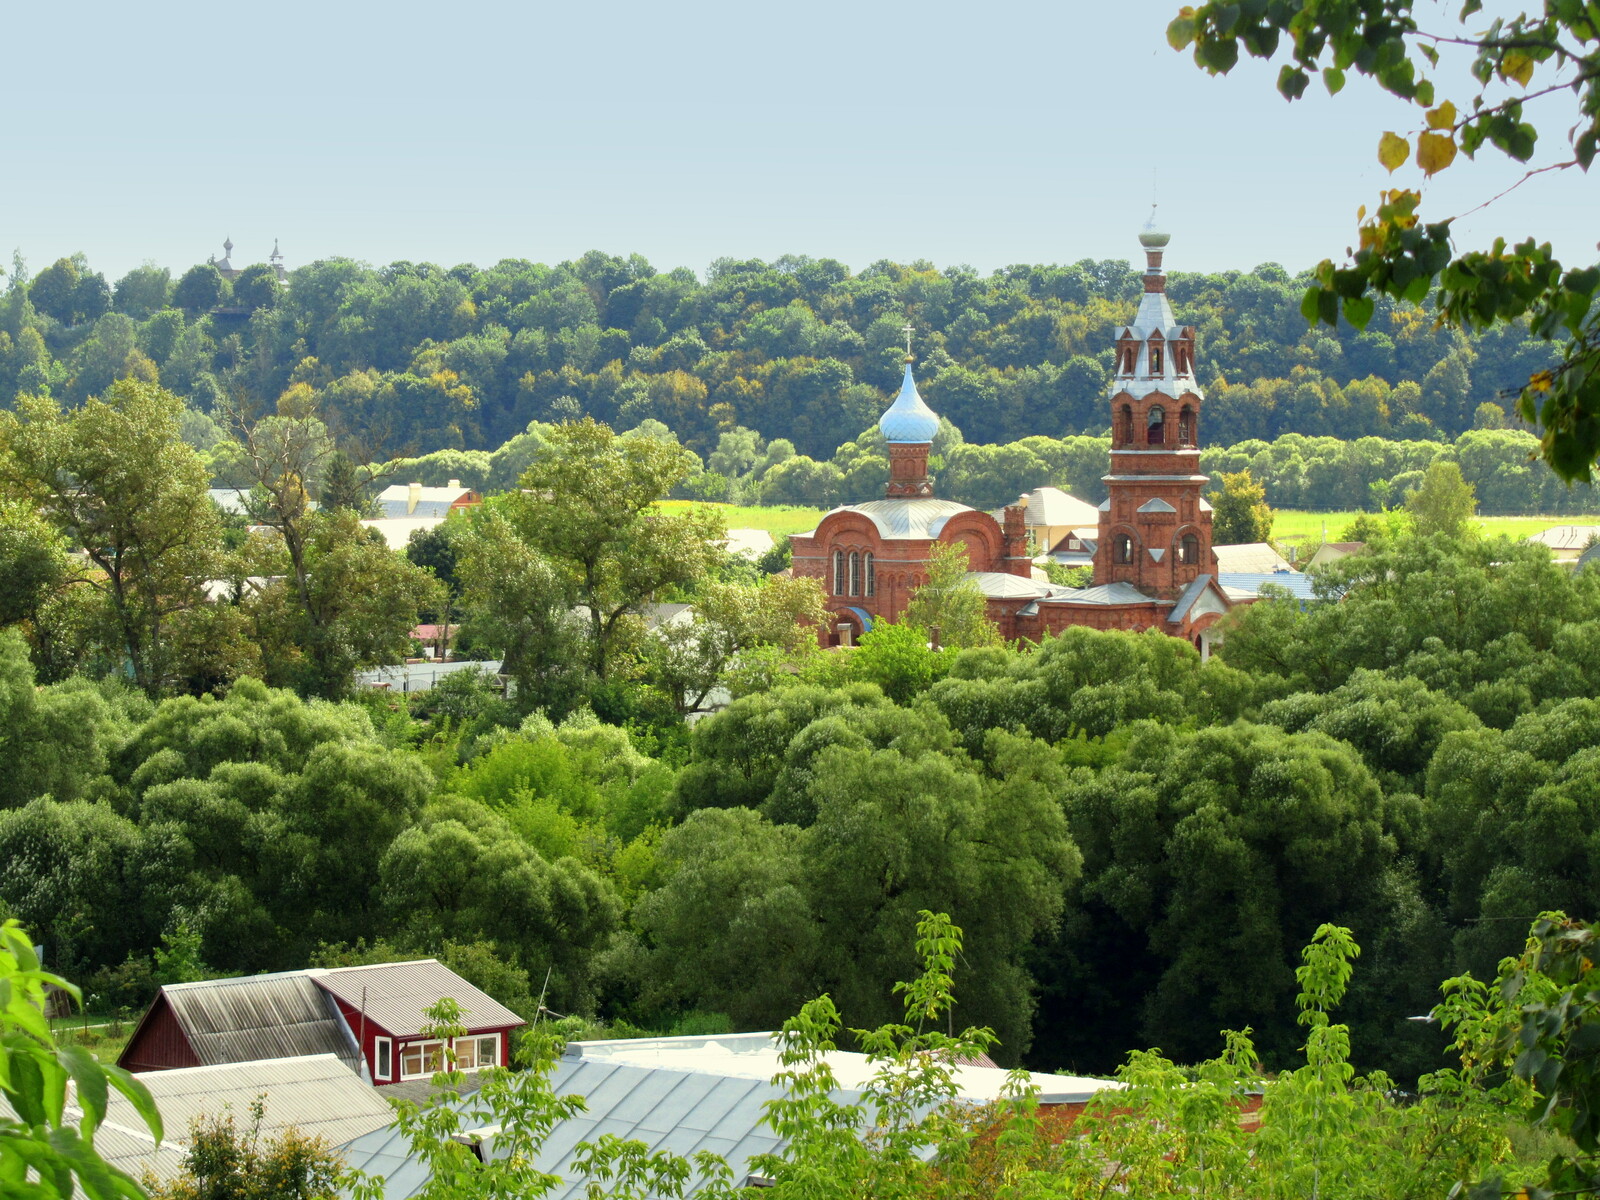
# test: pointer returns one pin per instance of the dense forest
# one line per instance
(769, 371)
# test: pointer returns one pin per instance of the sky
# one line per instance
(987, 134)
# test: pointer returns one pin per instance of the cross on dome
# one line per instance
(908, 329)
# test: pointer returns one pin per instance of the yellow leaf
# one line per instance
(1361, 213)
(1392, 151)
(1435, 152)
(1517, 66)
(1442, 117)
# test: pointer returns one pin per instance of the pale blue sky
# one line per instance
(984, 134)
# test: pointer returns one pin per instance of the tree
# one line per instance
(115, 479)
(952, 602)
(257, 287)
(224, 1162)
(688, 659)
(1239, 512)
(588, 504)
(517, 602)
(143, 291)
(1443, 503)
(1517, 62)
(51, 290)
(43, 1152)
(200, 289)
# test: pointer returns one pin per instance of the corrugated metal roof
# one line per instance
(1105, 593)
(680, 1111)
(317, 1094)
(396, 994)
(1251, 582)
(1249, 558)
(713, 1097)
(260, 1016)
(127, 1150)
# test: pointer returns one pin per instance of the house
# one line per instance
(397, 531)
(1567, 542)
(384, 1005)
(1051, 515)
(368, 1018)
(1152, 555)
(284, 1015)
(1332, 552)
(749, 543)
(414, 500)
(1257, 558)
(683, 1095)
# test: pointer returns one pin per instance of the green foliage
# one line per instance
(1239, 512)
(1443, 503)
(225, 1162)
(1401, 257)
(952, 603)
(43, 1153)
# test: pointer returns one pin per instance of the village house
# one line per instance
(370, 1018)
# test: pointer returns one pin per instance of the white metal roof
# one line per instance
(755, 1056)
(908, 518)
(1252, 558)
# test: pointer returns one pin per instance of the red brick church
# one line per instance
(1153, 563)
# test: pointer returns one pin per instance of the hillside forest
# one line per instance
(770, 371)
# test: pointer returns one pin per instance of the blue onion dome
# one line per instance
(908, 419)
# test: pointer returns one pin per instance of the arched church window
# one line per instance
(1122, 548)
(1127, 424)
(1130, 354)
(838, 572)
(855, 573)
(1156, 434)
(1189, 549)
(1155, 358)
(872, 575)
(1186, 426)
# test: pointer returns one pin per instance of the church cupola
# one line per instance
(908, 426)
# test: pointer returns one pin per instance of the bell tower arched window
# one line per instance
(1156, 359)
(1189, 549)
(1156, 434)
(838, 572)
(1186, 426)
(1126, 431)
(1128, 357)
(1122, 548)
(855, 573)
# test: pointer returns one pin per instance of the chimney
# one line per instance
(455, 483)
(413, 497)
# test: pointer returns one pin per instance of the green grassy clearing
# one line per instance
(1289, 524)
(778, 520)
(104, 1042)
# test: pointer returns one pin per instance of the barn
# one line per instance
(370, 1018)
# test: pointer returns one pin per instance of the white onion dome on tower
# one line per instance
(908, 420)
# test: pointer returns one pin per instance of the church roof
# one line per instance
(1105, 593)
(921, 519)
(908, 420)
(1050, 506)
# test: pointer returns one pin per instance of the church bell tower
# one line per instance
(1155, 528)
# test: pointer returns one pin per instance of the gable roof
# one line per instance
(1256, 558)
(1191, 596)
(393, 995)
(1244, 584)
(316, 1094)
(283, 1015)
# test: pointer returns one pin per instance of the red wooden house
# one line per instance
(370, 1017)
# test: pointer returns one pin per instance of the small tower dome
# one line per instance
(908, 419)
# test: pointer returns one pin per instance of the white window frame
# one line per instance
(489, 1039)
(383, 1059)
(423, 1047)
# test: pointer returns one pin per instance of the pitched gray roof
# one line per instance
(1187, 600)
(317, 1094)
(393, 995)
(260, 1016)
(1105, 593)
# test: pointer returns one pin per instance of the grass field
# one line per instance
(778, 520)
(1294, 525)
(1290, 524)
